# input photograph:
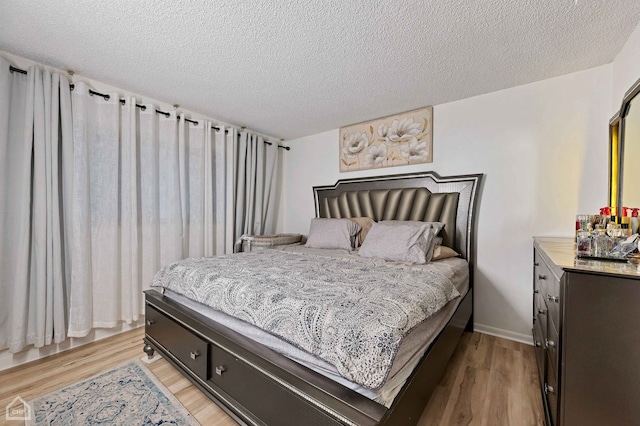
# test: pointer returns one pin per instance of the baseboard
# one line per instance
(9, 360)
(505, 334)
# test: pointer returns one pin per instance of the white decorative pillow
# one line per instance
(332, 234)
(400, 243)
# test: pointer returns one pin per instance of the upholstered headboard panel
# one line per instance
(416, 196)
(396, 204)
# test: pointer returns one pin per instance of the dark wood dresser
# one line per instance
(586, 329)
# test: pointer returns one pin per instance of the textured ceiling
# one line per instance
(290, 68)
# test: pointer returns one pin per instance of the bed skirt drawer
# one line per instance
(188, 348)
(260, 395)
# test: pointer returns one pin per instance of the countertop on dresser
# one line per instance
(561, 251)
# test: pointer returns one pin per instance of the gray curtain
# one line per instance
(35, 142)
(256, 183)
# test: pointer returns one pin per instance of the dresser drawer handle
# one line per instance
(540, 311)
(221, 369)
(548, 389)
(194, 355)
(542, 277)
(536, 291)
(150, 321)
(536, 264)
(551, 298)
(550, 343)
(537, 344)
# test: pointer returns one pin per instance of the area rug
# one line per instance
(128, 395)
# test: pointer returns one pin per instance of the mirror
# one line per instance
(624, 152)
(630, 155)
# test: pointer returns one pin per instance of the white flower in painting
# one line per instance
(403, 131)
(354, 143)
(383, 129)
(415, 151)
(375, 155)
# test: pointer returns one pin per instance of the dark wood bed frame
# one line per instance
(257, 386)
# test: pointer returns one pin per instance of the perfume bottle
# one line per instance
(602, 242)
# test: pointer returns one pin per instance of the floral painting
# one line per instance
(396, 140)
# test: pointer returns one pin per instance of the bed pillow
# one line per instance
(430, 237)
(433, 244)
(365, 225)
(332, 234)
(400, 243)
(443, 252)
(437, 226)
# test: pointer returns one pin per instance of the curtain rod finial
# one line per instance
(71, 72)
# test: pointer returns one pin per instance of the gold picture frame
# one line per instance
(396, 140)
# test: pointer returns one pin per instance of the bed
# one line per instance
(256, 384)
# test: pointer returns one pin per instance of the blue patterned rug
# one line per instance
(128, 395)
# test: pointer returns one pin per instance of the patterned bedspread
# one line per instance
(352, 313)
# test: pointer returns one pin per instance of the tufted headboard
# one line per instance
(422, 196)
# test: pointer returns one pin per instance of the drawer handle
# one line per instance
(537, 344)
(536, 291)
(542, 277)
(551, 298)
(221, 369)
(194, 355)
(548, 389)
(540, 311)
(536, 264)
(150, 321)
(550, 343)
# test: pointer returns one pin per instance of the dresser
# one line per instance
(586, 331)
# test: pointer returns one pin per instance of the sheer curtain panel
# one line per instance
(35, 147)
(96, 253)
(205, 188)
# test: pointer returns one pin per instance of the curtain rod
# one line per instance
(106, 97)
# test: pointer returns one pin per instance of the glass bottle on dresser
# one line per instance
(602, 242)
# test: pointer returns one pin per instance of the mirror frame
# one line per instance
(616, 148)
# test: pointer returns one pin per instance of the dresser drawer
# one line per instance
(261, 396)
(538, 343)
(187, 347)
(549, 289)
(540, 315)
(551, 345)
(550, 389)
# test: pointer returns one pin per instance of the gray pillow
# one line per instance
(436, 227)
(400, 243)
(332, 234)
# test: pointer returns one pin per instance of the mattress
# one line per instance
(410, 351)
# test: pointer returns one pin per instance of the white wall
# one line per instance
(626, 69)
(543, 150)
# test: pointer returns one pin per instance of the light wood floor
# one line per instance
(490, 381)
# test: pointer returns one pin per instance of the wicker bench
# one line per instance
(261, 242)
